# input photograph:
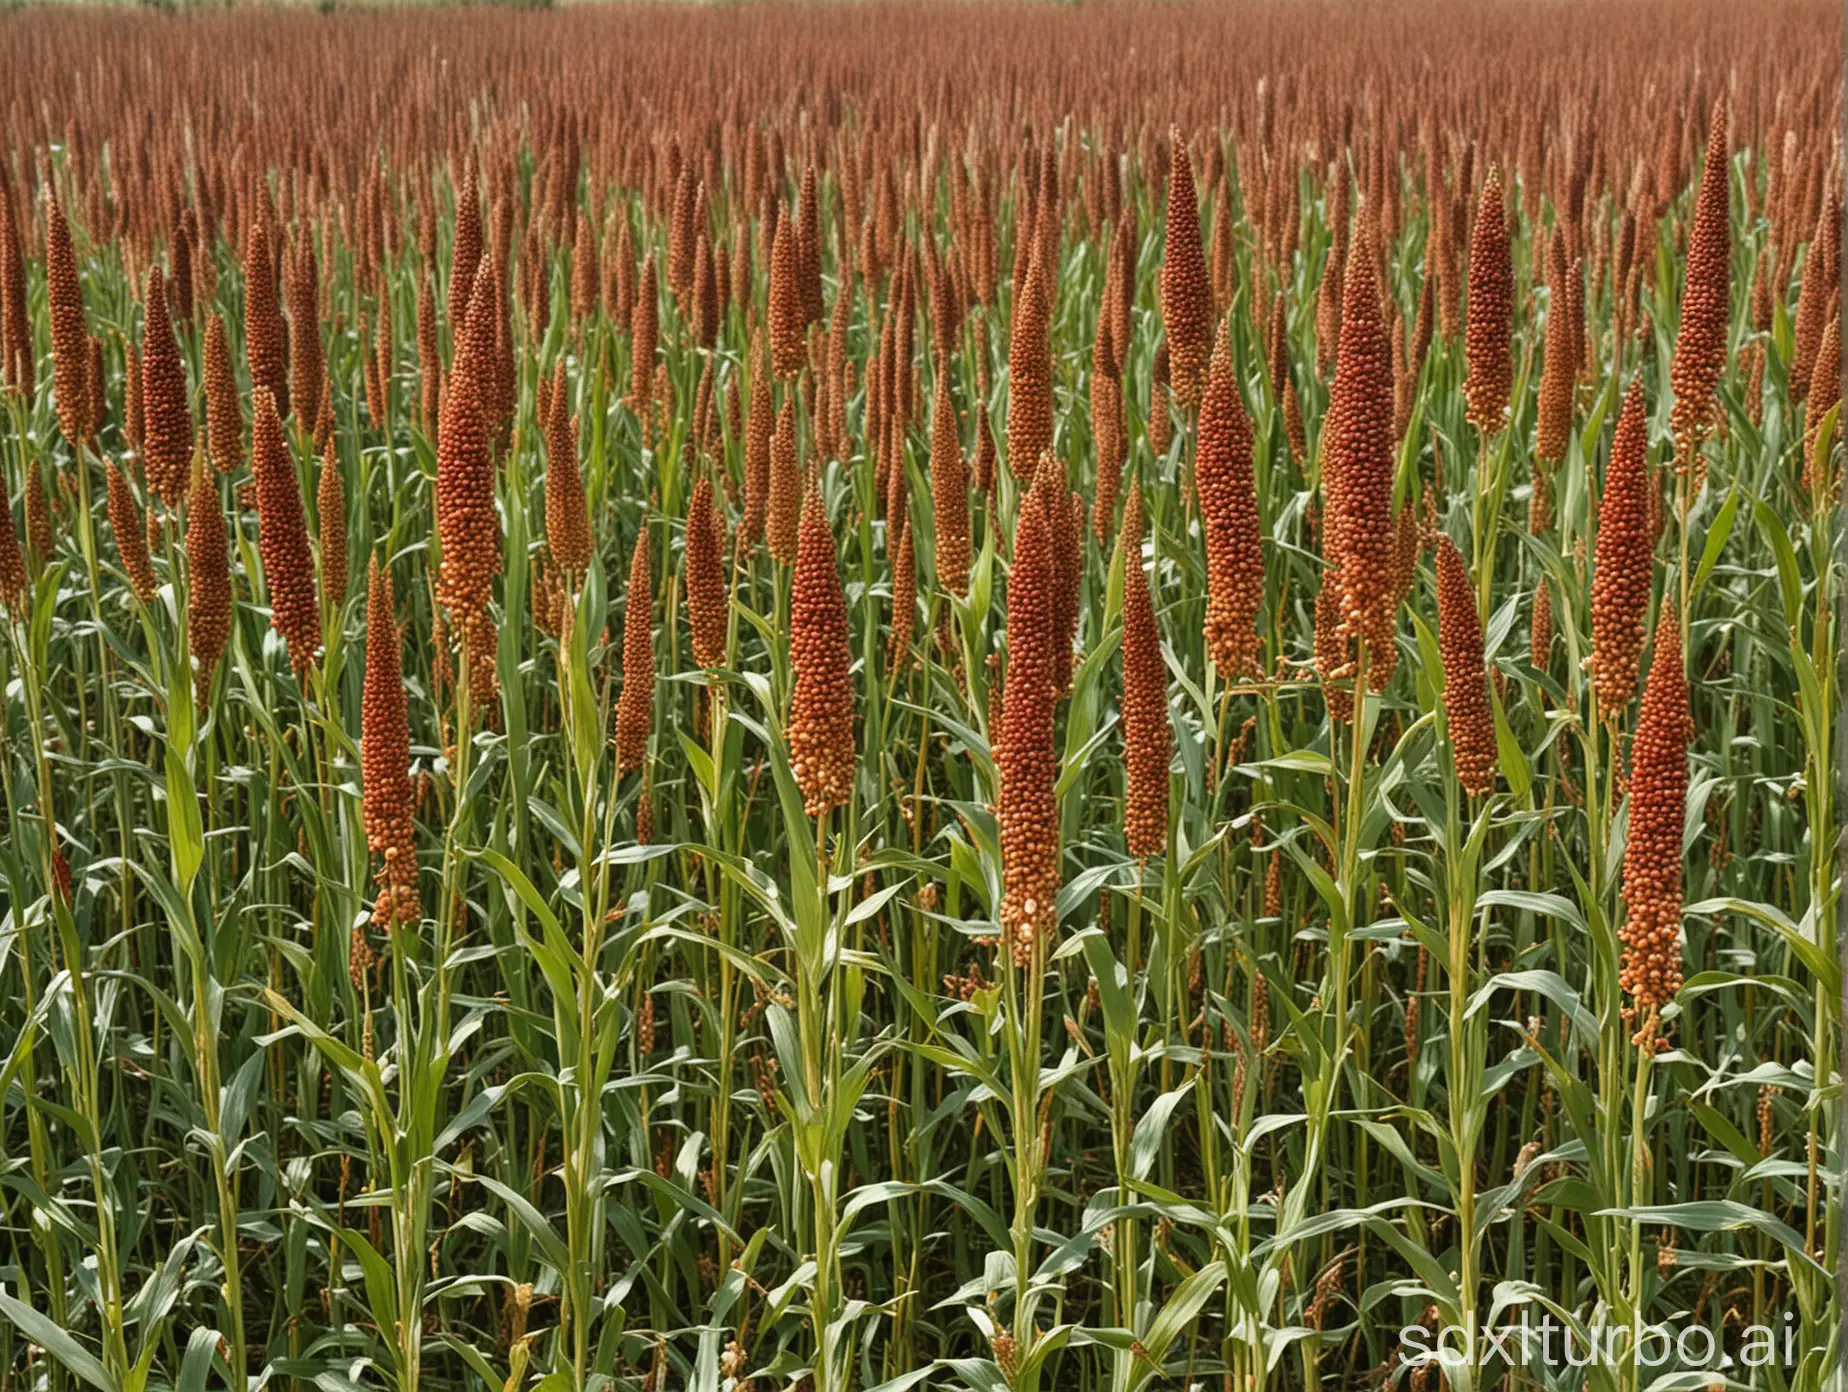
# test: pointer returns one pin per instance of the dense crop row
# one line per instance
(966, 696)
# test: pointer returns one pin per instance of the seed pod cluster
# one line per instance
(388, 800)
(708, 602)
(949, 491)
(1487, 332)
(1027, 759)
(282, 537)
(820, 732)
(567, 523)
(785, 506)
(1029, 373)
(1358, 465)
(1467, 719)
(14, 582)
(1147, 739)
(70, 330)
(635, 708)
(1624, 565)
(208, 580)
(264, 345)
(1700, 347)
(167, 426)
(1657, 803)
(467, 524)
(1229, 518)
(224, 412)
(1186, 296)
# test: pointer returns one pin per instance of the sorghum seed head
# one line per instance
(167, 427)
(1559, 372)
(1700, 347)
(130, 536)
(224, 412)
(264, 345)
(388, 800)
(788, 316)
(208, 579)
(1029, 369)
(1147, 740)
(1467, 718)
(1028, 759)
(307, 370)
(1186, 295)
(635, 708)
(1359, 463)
(1229, 518)
(1540, 630)
(949, 489)
(567, 522)
(1624, 568)
(644, 336)
(282, 537)
(1657, 806)
(759, 431)
(14, 583)
(785, 504)
(708, 601)
(330, 510)
(1487, 341)
(467, 523)
(70, 331)
(820, 731)
(904, 597)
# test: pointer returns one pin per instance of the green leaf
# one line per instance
(57, 1342)
(1188, 1300)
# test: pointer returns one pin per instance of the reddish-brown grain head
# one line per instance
(1624, 562)
(70, 332)
(1467, 717)
(567, 520)
(904, 599)
(1657, 806)
(708, 603)
(467, 524)
(1029, 374)
(264, 345)
(388, 799)
(759, 433)
(1359, 463)
(1147, 738)
(307, 359)
(282, 537)
(330, 511)
(784, 512)
(788, 315)
(14, 582)
(644, 335)
(635, 708)
(131, 536)
(1229, 516)
(1700, 347)
(1186, 295)
(224, 411)
(1488, 330)
(1558, 373)
(1028, 757)
(208, 580)
(820, 732)
(167, 426)
(949, 490)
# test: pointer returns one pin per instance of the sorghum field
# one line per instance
(943, 696)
